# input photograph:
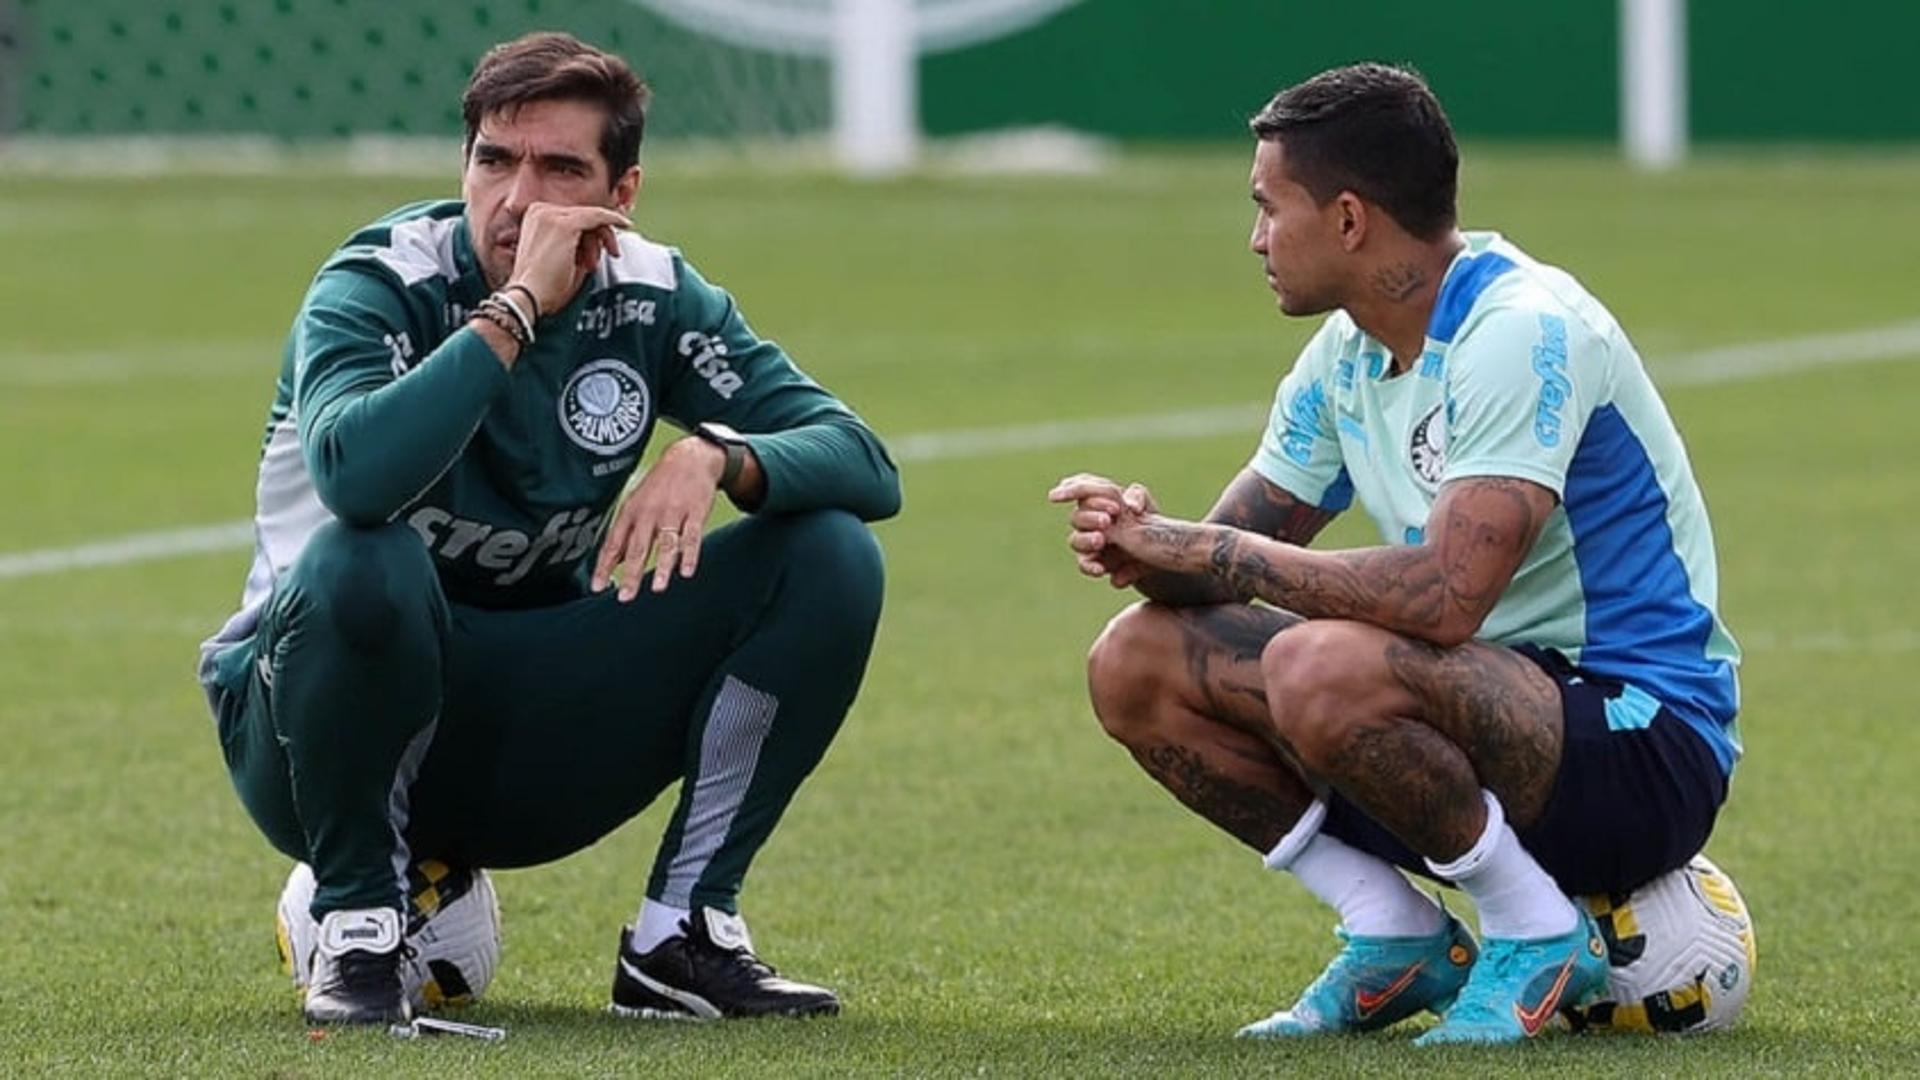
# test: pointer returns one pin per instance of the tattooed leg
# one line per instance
(1181, 689)
(1410, 732)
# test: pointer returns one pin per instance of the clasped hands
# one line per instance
(1117, 532)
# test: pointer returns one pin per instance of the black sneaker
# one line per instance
(356, 970)
(706, 973)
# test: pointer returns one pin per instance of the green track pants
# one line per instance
(368, 721)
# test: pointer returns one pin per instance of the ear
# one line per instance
(627, 188)
(1351, 218)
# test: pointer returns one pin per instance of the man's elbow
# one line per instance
(350, 503)
(885, 499)
(349, 493)
(1455, 630)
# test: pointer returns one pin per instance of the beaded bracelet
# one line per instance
(500, 318)
(510, 317)
(532, 300)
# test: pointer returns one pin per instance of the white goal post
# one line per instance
(1653, 82)
(872, 50)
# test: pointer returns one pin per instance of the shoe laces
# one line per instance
(1335, 972)
(745, 958)
(741, 955)
(1483, 998)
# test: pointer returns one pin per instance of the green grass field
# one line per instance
(990, 882)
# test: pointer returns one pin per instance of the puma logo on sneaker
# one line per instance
(356, 970)
(707, 972)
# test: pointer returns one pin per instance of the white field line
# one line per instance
(1728, 364)
(139, 547)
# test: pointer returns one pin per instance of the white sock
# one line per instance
(1517, 900)
(657, 923)
(1371, 896)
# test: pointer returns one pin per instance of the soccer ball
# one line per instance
(453, 932)
(1680, 951)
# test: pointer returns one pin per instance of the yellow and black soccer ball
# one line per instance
(1680, 951)
(453, 932)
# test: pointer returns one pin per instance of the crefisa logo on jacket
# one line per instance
(603, 407)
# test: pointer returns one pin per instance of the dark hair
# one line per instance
(561, 67)
(1376, 131)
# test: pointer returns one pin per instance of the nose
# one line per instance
(524, 190)
(1257, 240)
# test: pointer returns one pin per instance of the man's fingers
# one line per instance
(633, 566)
(667, 543)
(586, 253)
(1085, 520)
(610, 550)
(579, 218)
(1089, 489)
(1083, 486)
(640, 542)
(1090, 567)
(1087, 543)
(1138, 498)
(689, 547)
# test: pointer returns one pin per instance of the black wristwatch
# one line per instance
(730, 441)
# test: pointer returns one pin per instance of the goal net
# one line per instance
(732, 73)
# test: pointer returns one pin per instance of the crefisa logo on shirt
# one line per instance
(603, 407)
(1428, 448)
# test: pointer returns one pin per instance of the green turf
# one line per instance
(987, 879)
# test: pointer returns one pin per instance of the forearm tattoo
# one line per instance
(1253, 504)
(1484, 529)
(1179, 590)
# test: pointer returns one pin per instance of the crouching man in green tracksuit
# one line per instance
(456, 642)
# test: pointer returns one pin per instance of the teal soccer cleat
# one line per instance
(1376, 981)
(1518, 986)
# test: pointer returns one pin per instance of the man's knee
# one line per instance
(837, 551)
(1125, 669)
(370, 588)
(1309, 673)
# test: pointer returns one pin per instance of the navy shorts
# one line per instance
(1631, 801)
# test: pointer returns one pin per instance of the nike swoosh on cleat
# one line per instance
(1532, 1020)
(699, 1006)
(1369, 1003)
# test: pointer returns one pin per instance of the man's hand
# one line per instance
(664, 517)
(1100, 504)
(559, 246)
(1156, 543)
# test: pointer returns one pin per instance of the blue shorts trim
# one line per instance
(1636, 796)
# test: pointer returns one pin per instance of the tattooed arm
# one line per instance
(1480, 530)
(1251, 503)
